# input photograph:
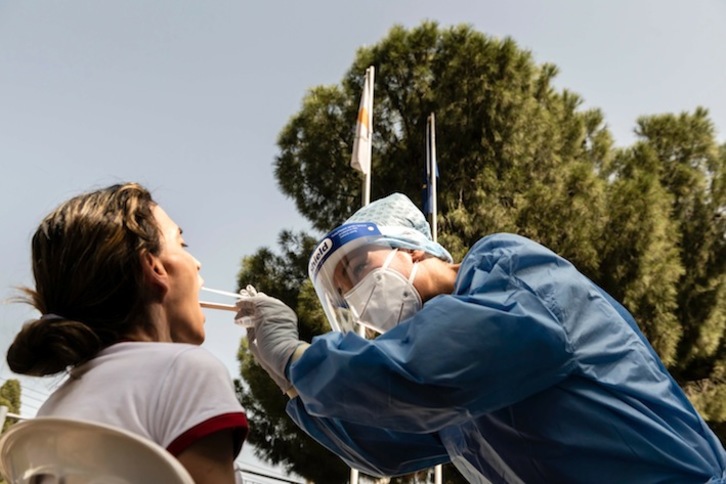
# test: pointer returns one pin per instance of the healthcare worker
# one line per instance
(512, 365)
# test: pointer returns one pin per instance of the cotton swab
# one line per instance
(223, 307)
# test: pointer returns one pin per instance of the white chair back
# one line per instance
(63, 451)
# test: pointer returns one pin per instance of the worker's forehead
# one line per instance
(361, 252)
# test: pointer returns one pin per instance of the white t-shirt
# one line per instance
(170, 393)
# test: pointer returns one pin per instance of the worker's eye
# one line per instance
(359, 269)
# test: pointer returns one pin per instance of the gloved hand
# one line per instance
(271, 332)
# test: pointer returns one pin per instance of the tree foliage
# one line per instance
(639, 251)
(10, 398)
(692, 168)
(646, 222)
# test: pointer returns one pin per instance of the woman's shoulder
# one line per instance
(153, 354)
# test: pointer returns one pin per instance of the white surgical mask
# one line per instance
(384, 297)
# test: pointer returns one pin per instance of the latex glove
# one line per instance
(271, 332)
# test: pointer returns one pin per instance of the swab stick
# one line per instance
(223, 293)
(224, 307)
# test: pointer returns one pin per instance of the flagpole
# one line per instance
(432, 175)
(366, 195)
(361, 160)
(433, 172)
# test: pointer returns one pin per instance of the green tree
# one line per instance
(10, 398)
(691, 167)
(640, 266)
(515, 154)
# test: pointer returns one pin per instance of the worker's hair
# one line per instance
(89, 284)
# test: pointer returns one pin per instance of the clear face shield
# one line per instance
(354, 283)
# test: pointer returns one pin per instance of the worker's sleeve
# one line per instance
(372, 450)
(495, 341)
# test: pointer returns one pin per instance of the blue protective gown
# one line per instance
(528, 372)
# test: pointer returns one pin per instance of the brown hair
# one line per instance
(89, 285)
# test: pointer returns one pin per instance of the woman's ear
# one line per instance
(155, 274)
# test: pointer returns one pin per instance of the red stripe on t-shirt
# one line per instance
(235, 421)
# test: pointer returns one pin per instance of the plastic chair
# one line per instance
(63, 451)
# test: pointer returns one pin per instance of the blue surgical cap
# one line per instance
(402, 224)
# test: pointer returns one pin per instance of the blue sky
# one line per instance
(188, 98)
